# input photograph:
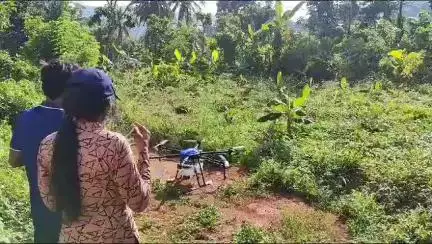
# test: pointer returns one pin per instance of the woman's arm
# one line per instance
(44, 172)
(133, 181)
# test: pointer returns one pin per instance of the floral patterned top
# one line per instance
(112, 186)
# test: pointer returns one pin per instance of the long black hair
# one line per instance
(65, 183)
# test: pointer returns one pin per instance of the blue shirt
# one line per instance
(31, 127)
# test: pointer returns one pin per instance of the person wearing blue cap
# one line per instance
(87, 172)
(31, 126)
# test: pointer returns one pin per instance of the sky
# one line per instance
(209, 6)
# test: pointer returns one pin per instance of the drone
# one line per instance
(192, 160)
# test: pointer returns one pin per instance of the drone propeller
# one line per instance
(160, 144)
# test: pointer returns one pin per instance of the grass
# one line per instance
(366, 156)
(367, 151)
(195, 226)
(15, 222)
(223, 113)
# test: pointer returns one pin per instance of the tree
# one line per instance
(229, 36)
(113, 24)
(63, 38)
(186, 9)
(224, 7)
(372, 11)
(206, 22)
(400, 21)
(348, 12)
(323, 19)
(256, 14)
(281, 31)
(6, 10)
(159, 33)
(143, 9)
(14, 37)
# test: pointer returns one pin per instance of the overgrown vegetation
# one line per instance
(351, 83)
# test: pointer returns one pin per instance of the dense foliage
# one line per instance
(346, 95)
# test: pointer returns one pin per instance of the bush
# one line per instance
(6, 65)
(16, 97)
(402, 66)
(367, 150)
(15, 222)
(358, 55)
(208, 217)
(63, 38)
(251, 234)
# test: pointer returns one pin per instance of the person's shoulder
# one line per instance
(118, 138)
(25, 115)
(49, 139)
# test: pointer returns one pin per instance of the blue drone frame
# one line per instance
(192, 159)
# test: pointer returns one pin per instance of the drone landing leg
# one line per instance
(197, 177)
(202, 174)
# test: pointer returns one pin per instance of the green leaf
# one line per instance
(215, 56)
(155, 71)
(250, 30)
(306, 92)
(279, 10)
(344, 83)
(265, 27)
(280, 108)
(193, 58)
(378, 86)
(178, 55)
(269, 117)
(279, 79)
(298, 102)
(397, 54)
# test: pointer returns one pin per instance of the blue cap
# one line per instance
(93, 81)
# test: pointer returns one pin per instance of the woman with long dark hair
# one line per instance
(87, 172)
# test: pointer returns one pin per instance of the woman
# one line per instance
(88, 172)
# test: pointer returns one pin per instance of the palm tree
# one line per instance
(186, 9)
(113, 24)
(143, 9)
(205, 20)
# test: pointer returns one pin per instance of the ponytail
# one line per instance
(65, 183)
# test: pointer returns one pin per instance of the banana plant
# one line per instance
(285, 108)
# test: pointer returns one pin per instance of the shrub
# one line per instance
(63, 38)
(402, 66)
(251, 234)
(358, 55)
(6, 65)
(413, 226)
(208, 217)
(16, 97)
(15, 222)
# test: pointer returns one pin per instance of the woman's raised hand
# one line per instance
(141, 137)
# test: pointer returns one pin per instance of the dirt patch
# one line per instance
(160, 221)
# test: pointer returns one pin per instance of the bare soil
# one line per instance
(162, 219)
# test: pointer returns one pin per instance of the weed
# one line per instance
(208, 217)
(307, 226)
(251, 234)
(194, 226)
